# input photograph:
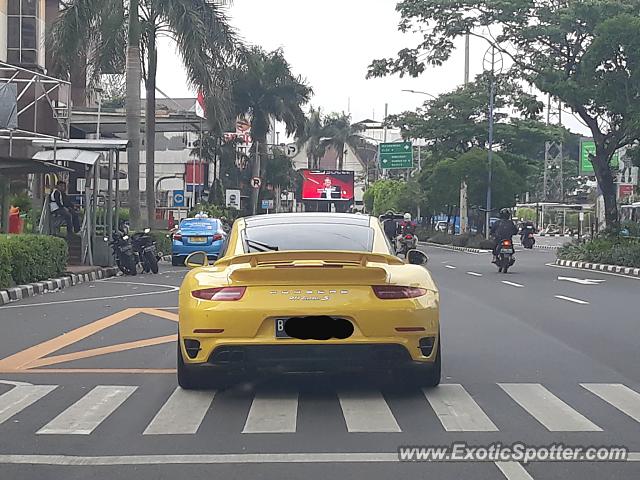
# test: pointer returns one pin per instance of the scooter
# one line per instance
(146, 252)
(123, 252)
(407, 242)
(527, 238)
(506, 256)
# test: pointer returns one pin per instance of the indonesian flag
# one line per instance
(200, 107)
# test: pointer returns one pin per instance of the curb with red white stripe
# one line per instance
(14, 294)
(632, 272)
(453, 247)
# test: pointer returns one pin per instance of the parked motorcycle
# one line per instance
(145, 251)
(123, 252)
(506, 256)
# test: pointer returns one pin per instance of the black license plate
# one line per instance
(280, 324)
(507, 250)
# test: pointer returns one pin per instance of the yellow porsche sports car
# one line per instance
(313, 291)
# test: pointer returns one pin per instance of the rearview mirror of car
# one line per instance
(417, 257)
(197, 260)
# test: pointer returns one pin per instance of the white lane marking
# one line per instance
(229, 459)
(581, 281)
(457, 410)
(599, 272)
(474, 274)
(181, 414)
(451, 267)
(513, 471)
(84, 416)
(20, 397)
(618, 395)
(169, 289)
(572, 300)
(273, 413)
(367, 412)
(15, 384)
(512, 284)
(548, 409)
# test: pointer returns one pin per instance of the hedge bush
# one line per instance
(31, 258)
(607, 250)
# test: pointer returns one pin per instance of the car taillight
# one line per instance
(177, 236)
(506, 243)
(392, 292)
(217, 237)
(221, 294)
(408, 237)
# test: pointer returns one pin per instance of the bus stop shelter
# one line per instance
(100, 162)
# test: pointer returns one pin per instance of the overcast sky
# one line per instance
(330, 43)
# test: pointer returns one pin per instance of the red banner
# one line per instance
(327, 185)
(195, 173)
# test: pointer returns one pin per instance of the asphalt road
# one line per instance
(87, 388)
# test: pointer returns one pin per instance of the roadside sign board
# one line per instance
(256, 182)
(291, 150)
(587, 149)
(233, 198)
(178, 198)
(395, 155)
(267, 204)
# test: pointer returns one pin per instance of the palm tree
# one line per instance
(206, 42)
(265, 89)
(311, 138)
(340, 133)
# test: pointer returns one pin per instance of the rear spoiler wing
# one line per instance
(270, 259)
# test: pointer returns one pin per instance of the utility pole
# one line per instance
(464, 206)
(493, 62)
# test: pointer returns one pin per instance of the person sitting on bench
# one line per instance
(61, 207)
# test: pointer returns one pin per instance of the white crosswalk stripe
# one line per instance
(457, 410)
(84, 416)
(181, 414)
(618, 395)
(273, 413)
(367, 412)
(548, 409)
(20, 397)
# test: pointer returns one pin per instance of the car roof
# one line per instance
(305, 218)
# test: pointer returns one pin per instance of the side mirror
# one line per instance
(417, 257)
(197, 260)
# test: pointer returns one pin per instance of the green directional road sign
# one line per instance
(588, 148)
(396, 155)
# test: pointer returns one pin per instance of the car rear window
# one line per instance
(199, 224)
(312, 236)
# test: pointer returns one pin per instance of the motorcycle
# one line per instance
(145, 251)
(527, 238)
(407, 242)
(123, 252)
(506, 256)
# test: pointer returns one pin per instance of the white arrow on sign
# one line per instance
(581, 281)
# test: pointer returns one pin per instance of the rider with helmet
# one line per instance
(406, 227)
(502, 229)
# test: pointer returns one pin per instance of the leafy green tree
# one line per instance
(584, 53)
(311, 138)
(114, 30)
(265, 89)
(443, 185)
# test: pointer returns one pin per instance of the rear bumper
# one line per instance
(212, 251)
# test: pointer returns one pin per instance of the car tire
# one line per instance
(188, 378)
(151, 261)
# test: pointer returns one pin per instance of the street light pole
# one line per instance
(492, 60)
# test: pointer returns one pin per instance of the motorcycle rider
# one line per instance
(526, 227)
(406, 227)
(390, 226)
(502, 229)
